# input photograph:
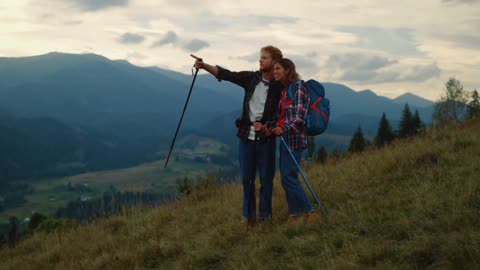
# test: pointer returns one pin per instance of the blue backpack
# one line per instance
(318, 109)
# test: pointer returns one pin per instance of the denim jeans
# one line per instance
(297, 199)
(263, 152)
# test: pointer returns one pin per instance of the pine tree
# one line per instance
(406, 123)
(474, 106)
(358, 142)
(385, 134)
(452, 106)
(417, 124)
(322, 155)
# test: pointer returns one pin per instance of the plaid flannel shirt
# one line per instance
(248, 80)
(295, 112)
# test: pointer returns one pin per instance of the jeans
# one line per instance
(263, 152)
(297, 199)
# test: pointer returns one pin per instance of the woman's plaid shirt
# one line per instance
(295, 113)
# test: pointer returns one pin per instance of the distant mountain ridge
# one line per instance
(98, 75)
(90, 90)
(413, 100)
(137, 109)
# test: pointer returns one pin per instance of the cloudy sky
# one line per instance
(391, 47)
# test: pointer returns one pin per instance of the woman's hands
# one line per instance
(277, 131)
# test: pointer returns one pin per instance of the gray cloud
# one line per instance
(215, 22)
(130, 38)
(398, 41)
(304, 62)
(469, 41)
(421, 73)
(456, 2)
(93, 5)
(195, 45)
(415, 73)
(253, 57)
(358, 61)
(465, 41)
(46, 16)
(356, 75)
(169, 37)
(359, 67)
(72, 22)
(265, 20)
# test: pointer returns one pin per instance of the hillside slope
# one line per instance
(415, 204)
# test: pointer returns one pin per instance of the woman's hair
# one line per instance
(274, 52)
(289, 66)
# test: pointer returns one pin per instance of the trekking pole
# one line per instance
(183, 113)
(304, 177)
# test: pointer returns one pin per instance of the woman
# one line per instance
(292, 126)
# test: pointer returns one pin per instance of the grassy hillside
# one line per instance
(415, 204)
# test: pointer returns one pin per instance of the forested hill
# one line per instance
(411, 205)
(43, 146)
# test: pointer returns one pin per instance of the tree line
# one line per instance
(410, 126)
(454, 106)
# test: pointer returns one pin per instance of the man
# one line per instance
(256, 143)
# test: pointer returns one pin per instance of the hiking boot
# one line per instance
(312, 217)
(250, 223)
(294, 220)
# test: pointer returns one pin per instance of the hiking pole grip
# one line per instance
(304, 177)
(196, 57)
(181, 117)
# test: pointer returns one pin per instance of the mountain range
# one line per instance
(132, 112)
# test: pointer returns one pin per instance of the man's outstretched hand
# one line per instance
(199, 64)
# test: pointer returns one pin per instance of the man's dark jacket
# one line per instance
(249, 80)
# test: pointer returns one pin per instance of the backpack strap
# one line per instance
(290, 92)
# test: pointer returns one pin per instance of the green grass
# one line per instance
(210, 146)
(202, 145)
(412, 205)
